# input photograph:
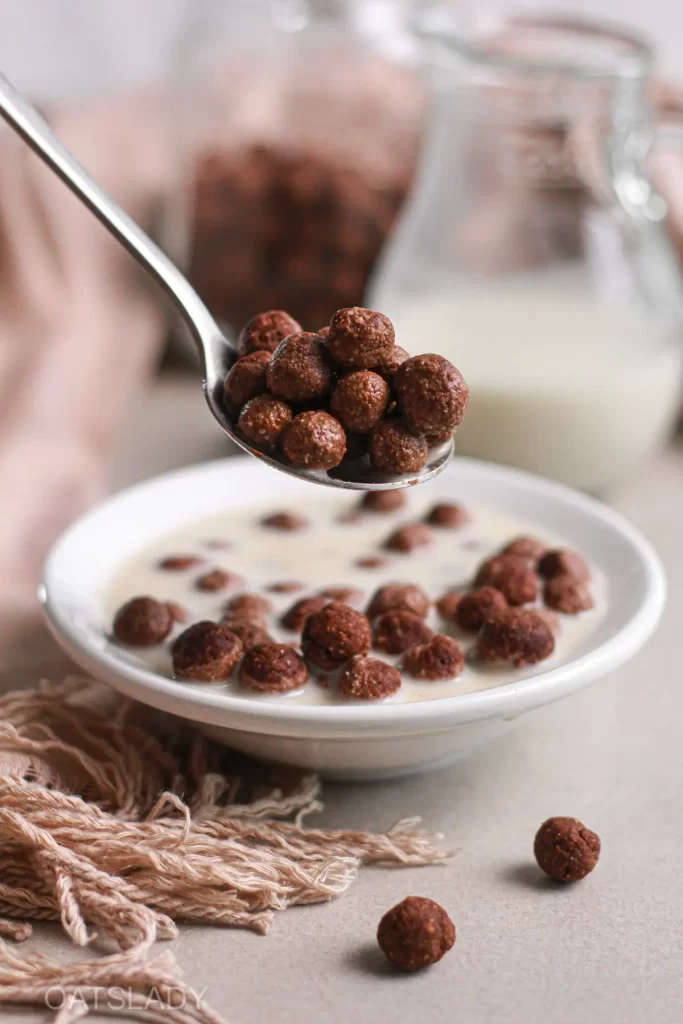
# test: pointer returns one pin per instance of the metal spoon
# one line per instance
(217, 353)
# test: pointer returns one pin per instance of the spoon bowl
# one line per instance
(216, 351)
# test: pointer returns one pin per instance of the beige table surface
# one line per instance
(608, 951)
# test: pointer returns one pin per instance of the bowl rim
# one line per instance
(208, 705)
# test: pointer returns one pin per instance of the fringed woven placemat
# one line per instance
(118, 821)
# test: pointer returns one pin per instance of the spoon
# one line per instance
(217, 352)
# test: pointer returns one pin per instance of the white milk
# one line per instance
(557, 385)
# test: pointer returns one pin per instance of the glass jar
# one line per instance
(297, 131)
(532, 252)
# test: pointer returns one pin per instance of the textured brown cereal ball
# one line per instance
(526, 547)
(407, 597)
(516, 635)
(142, 622)
(396, 631)
(432, 394)
(339, 630)
(206, 653)
(246, 379)
(217, 579)
(388, 368)
(563, 563)
(512, 575)
(394, 448)
(250, 631)
(273, 668)
(285, 587)
(369, 679)
(314, 440)
(321, 658)
(300, 368)
(323, 332)
(295, 616)
(567, 594)
(474, 608)
(447, 516)
(360, 338)
(383, 501)
(347, 595)
(265, 331)
(447, 606)
(263, 420)
(287, 521)
(179, 563)
(565, 849)
(415, 933)
(359, 400)
(249, 605)
(407, 538)
(178, 613)
(438, 658)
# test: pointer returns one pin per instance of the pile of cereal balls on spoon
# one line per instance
(347, 391)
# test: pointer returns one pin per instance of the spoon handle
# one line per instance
(34, 130)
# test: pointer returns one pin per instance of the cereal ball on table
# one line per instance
(512, 575)
(263, 420)
(408, 538)
(567, 594)
(314, 440)
(369, 679)
(407, 597)
(395, 448)
(335, 634)
(143, 622)
(246, 379)
(516, 635)
(432, 394)
(360, 338)
(359, 400)
(273, 668)
(265, 331)
(206, 653)
(383, 501)
(438, 658)
(415, 933)
(565, 849)
(474, 608)
(296, 615)
(396, 631)
(300, 368)
(563, 563)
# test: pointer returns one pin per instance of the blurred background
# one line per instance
(490, 177)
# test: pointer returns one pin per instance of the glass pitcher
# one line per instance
(532, 252)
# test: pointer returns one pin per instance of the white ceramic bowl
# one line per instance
(354, 742)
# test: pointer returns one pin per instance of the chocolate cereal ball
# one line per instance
(565, 849)
(206, 653)
(407, 597)
(286, 521)
(300, 368)
(394, 448)
(263, 420)
(383, 501)
(296, 615)
(369, 679)
(511, 575)
(415, 933)
(273, 668)
(395, 631)
(526, 547)
(338, 630)
(217, 579)
(438, 658)
(265, 331)
(408, 538)
(142, 622)
(447, 606)
(250, 631)
(360, 338)
(567, 594)
(447, 516)
(179, 563)
(563, 563)
(253, 606)
(516, 635)
(474, 608)
(347, 595)
(314, 440)
(177, 612)
(246, 379)
(323, 332)
(432, 394)
(359, 400)
(388, 368)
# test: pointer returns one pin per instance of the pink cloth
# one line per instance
(80, 327)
